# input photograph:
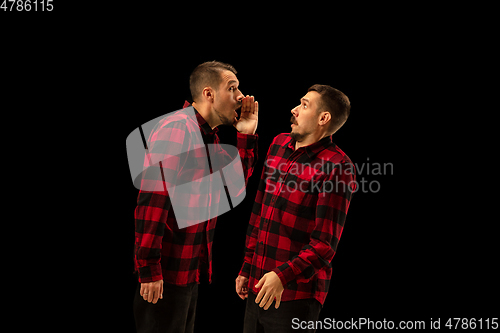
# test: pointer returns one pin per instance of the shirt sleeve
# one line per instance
(237, 162)
(248, 149)
(162, 163)
(253, 228)
(331, 211)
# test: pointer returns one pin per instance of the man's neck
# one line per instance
(309, 140)
(210, 117)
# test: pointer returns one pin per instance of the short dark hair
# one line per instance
(335, 102)
(207, 74)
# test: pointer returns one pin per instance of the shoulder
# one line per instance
(281, 138)
(335, 158)
(279, 141)
(185, 119)
(339, 155)
(178, 126)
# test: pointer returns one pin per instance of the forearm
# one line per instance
(330, 215)
(250, 244)
(303, 267)
(150, 223)
(248, 151)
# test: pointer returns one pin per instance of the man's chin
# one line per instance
(296, 136)
(226, 121)
(229, 122)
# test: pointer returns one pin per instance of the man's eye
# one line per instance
(232, 89)
(304, 106)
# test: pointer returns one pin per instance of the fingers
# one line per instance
(256, 110)
(248, 104)
(266, 296)
(142, 290)
(242, 287)
(278, 301)
(151, 292)
(153, 296)
(243, 294)
(238, 286)
(158, 290)
(262, 291)
(146, 293)
(269, 302)
(244, 104)
(259, 296)
(261, 282)
(150, 296)
(266, 301)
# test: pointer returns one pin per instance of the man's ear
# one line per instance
(324, 118)
(208, 94)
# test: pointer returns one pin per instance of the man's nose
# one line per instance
(240, 97)
(294, 111)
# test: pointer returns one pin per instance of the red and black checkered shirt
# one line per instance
(298, 216)
(163, 250)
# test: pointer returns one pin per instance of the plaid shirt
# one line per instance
(298, 216)
(162, 250)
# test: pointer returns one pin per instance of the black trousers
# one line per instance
(174, 313)
(258, 320)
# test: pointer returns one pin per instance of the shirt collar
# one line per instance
(205, 127)
(313, 149)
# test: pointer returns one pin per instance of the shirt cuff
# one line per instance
(150, 273)
(285, 273)
(246, 141)
(245, 270)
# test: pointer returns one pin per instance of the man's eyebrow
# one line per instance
(232, 82)
(305, 99)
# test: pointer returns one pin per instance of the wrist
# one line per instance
(247, 132)
(150, 273)
(246, 141)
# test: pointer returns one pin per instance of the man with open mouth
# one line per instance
(171, 259)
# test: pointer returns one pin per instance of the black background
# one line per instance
(401, 256)
(412, 251)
